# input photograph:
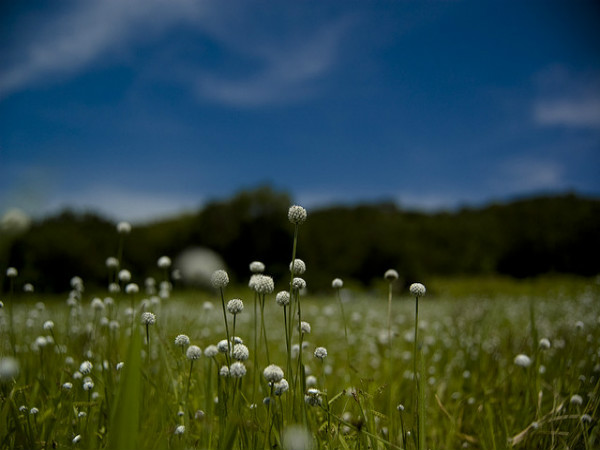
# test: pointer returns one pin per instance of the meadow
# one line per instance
(491, 364)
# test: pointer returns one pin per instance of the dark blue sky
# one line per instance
(144, 108)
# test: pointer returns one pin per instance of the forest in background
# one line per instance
(520, 238)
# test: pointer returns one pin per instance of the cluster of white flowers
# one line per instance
(297, 214)
(164, 262)
(298, 283)
(320, 353)
(237, 369)
(240, 352)
(417, 289)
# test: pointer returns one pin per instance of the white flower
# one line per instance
(235, 306)
(193, 352)
(544, 344)
(164, 262)
(112, 262)
(237, 369)
(9, 369)
(224, 371)
(97, 304)
(240, 352)
(257, 267)
(88, 384)
(312, 397)
(123, 228)
(263, 284)
(124, 275)
(182, 340)
(223, 346)
(148, 318)
(283, 298)
(417, 289)
(297, 214)
(76, 439)
(297, 267)
(132, 288)
(180, 429)
(298, 283)
(337, 283)
(320, 353)
(522, 360)
(114, 288)
(576, 400)
(48, 325)
(273, 373)
(281, 386)
(28, 287)
(211, 351)
(390, 275)
(67, 386)
(120, 365)
(305, 327)
(219, 279)
(11, 272)
(85, 367)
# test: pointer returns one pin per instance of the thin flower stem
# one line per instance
(226, 327)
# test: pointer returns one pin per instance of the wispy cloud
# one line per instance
(282, 65)
(526, 174)
(568, 99)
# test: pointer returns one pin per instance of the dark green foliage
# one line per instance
(523, 238)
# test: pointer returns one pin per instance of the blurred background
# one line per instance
(431, 137)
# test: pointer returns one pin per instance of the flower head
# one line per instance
(417, 289)
(237, 369)
(235, 306)
(576, 400)
(544, 344)
(180, 429)
(123, 228)
(298, 283)
(48, 325)
(281, 386)
(85, 367)
(11, 272)
(283, 298)
(263, 284)
(257, 267)
(312, 397)
(273, 373)
(390, 275)
(223, 346)
(297, 214)
(132, 288)
(337, 283)
(522, 360)
(124, 275)
(240, 352)
(297, 267)
(9, 368)
(320, 353)
(182, 340)
(164, 262)
(193, 352)
(211, 351)
(112, 262)
(219, 279)
(304, 327)
(148, 318)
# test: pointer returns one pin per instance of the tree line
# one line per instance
(521, 238)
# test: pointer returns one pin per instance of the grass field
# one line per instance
(473, 393)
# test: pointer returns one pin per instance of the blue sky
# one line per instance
(141, 109)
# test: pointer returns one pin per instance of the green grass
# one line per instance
(470, 332)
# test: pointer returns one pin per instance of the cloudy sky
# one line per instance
(144, 108)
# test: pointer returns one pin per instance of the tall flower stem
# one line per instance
(416, 375)
(226, 328)
(262, 326)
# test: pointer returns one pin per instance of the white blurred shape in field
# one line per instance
(14, 221)
(197, 264)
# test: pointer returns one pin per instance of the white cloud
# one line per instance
(567, 99)
(526, 174)
(65, 42)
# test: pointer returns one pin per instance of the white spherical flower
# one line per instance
(586, 418)
(108, 301)
(124, 275)
(219, 279)
(281, 386)
(297, 267)
(180, 429)
(312, 397)
(164, 262)
(320, 353)
(148, 318)
(257, 267)
(48, 325)
(34, 411)
(283, 298)
(237, 369)
(390, 275)
(235, 306)
(297, 214)
(224, 371)
(337, 283)
(76, 439)
(28, 287)
(11, 272)
(112, 262)
(88, 384)
(223, 346)
(417, 289)
(123, 228)
(544, 344)
(273, 373)
(9, 369)
(193, 352)
(305, 327)
(240, 352)
(263, 284)
(522, 360)
(119, 365)
(576, 400)
(182, 340)
(114, 288)
(298, 283)
(85, 367)
(211, 351)
(67, 386)
(97, 304)
(132, 288)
